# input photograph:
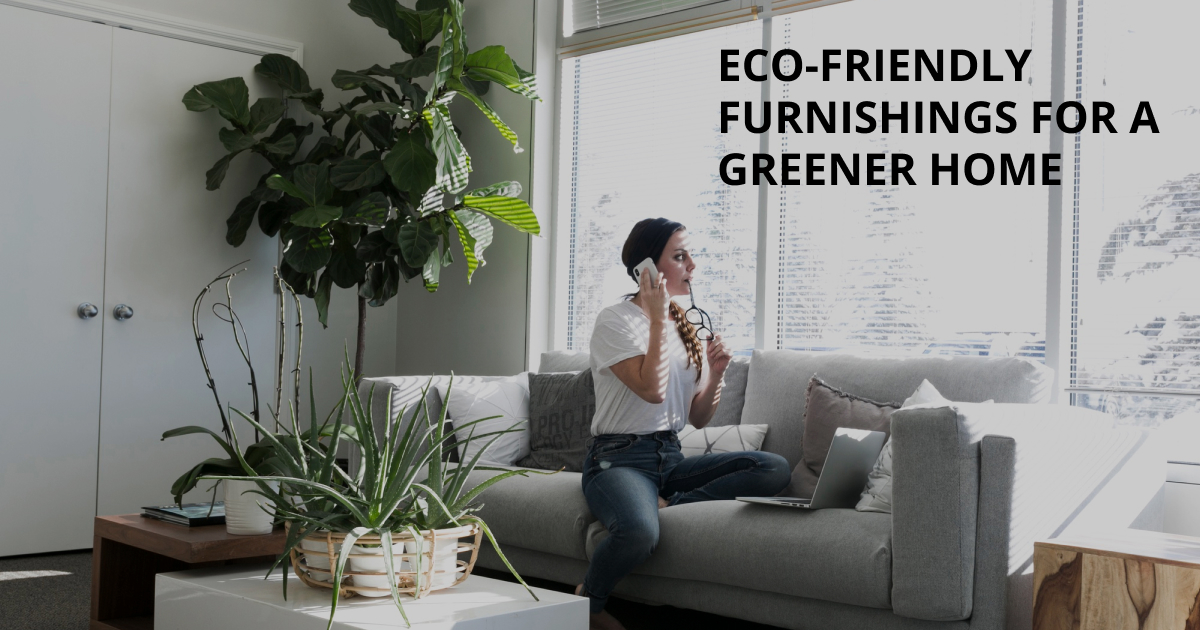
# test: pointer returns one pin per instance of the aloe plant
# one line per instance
(383, 192)
(402, 483)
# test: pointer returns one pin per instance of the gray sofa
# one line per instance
(974, 486)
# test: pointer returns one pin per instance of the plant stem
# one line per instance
(282, 350)
(212, 384)
(361, 347)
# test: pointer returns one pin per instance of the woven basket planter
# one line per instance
(317, 574)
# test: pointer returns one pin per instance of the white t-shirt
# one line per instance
(623, 331)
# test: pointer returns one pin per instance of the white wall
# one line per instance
(334, 37)
(481, 328)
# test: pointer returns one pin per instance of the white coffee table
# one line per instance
(239, 597)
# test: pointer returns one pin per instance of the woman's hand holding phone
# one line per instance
(655, 299)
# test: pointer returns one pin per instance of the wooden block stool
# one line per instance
(1128, 579)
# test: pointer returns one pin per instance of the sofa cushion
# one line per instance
(826, 410)
(833, 555)
(565, 361)
(543, 512)
(561, 406)
(733, 394)
(775, 392)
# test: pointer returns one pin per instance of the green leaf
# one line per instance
(505, 130)
(316, 216)
(240, 221)
(374, 247)
(431, 272)
(349, 80)
(312, 183)
(230, 97)
(216, 174)
(475, 234)
(389, 108)
(453, 162)
(353, 173)
(234, 140)
(345, 268)
(372, 210)
(451, 42)
(479, 87)
(386, 15)
(263, 113)
(432, 5)
(307, 249)
(510, 210)
(411, 166)
(493, 64)
(279, 182)
(284, 72)
(418, 66)
(417, 239)
(413, 92)
(424, 25)
(432, 201)
(324, 287)
(271, 216)
(284, 146)
(504, 189)
(389, 283)
(302, 283)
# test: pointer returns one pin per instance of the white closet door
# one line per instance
(166, 240)
(54, 80)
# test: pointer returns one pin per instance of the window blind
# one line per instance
(585, 15)
(1136, 212)
(636, 142)
(899, 269)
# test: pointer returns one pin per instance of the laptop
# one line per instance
(851, 457)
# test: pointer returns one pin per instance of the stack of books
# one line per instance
(189, 514)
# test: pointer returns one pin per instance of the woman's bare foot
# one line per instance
(601, 620)
(662, 503)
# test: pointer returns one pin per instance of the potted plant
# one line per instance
(380, 194)
(397, 508)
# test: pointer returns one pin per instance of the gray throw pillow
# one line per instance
(828, 409)
(561, 406)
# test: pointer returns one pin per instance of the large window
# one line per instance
(901, 270)
(639, 138)
(1135, 207)
(920, 269)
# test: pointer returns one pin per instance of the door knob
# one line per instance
(122, 312)
(87, 310)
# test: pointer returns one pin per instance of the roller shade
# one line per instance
(586, 15)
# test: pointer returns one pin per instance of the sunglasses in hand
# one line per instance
(699, 319)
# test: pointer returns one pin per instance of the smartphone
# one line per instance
(646, 266)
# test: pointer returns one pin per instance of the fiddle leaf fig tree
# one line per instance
(380, 195)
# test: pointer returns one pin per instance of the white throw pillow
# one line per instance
(474, 397)
(728, 439)
(877, 496)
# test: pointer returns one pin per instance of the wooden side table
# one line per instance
(129, 550)
(1126, 579)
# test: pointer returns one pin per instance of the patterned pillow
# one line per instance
(561, 406)
(505, 401)
(727, 439)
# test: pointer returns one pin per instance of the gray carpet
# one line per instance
(46, 592)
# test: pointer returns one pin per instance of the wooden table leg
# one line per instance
(123, 584)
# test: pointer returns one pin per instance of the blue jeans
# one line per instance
(625, 474)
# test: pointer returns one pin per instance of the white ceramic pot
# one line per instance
(317, 559)
(376, 563)
(248, 513)
(445, 560)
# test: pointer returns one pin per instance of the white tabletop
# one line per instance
(239, 597)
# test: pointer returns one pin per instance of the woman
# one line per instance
(652, 375)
